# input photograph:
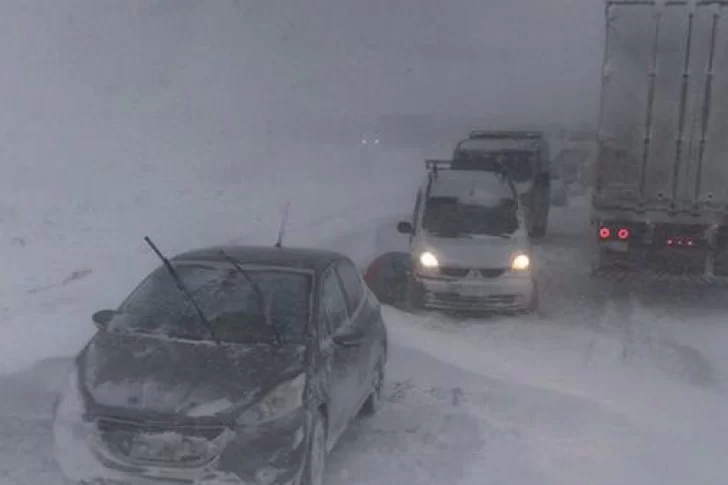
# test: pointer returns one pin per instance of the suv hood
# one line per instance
(475, 252)
(139, 374)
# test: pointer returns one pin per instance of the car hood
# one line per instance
(475, 252)
(139, 374)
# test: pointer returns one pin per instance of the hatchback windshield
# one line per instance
(450, 217)
(228, 300)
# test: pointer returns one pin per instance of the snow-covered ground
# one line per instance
(195, 122)
(607, 385)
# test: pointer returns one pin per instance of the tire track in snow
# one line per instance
(628, 311)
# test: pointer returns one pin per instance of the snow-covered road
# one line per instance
(609, 384)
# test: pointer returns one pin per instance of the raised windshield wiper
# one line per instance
(258, 293)
(185, 291)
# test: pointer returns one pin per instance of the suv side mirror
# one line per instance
(405, 228)
(102, 318)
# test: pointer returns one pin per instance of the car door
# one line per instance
(340, 359)
(364, 314)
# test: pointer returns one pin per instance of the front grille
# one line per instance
(455, 301)
(492, 272)
(160, 443)
(463, 272)
(454, 272)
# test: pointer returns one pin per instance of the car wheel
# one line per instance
(316, 456)
(374, 401)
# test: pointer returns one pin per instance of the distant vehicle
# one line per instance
(525, 156)
(559, 189)
(238, 365)
(573, 166)
(661, 184)
(469, 246)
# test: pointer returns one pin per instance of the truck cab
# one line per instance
(525, 157)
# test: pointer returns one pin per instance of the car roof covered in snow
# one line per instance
(471, 184)
(296, 258)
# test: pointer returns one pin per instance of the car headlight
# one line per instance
(428, 260)
(521, 263)
(281, 401)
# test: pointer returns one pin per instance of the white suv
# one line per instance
(469, 245)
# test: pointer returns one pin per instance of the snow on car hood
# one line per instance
(193, 379)
(473, 252)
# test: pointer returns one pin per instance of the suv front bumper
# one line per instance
(509, 292)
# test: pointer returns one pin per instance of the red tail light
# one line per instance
(623, 234)
(605, 233)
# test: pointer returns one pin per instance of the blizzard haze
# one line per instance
(195, 122)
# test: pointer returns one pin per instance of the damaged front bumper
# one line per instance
(270, 454)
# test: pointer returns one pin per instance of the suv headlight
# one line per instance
(428, 260)
(521, 262)
(281, 401)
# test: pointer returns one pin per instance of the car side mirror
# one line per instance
(102, 318)
(349, 338)
(405, 228)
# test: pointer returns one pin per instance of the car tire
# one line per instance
(374, 401)
(313, 472)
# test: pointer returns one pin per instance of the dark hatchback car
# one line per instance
(247, 372)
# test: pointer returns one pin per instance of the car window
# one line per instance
(276, 303)
(351, 281)
(333, 304)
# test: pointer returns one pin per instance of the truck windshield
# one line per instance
(449, 217)
(518, 163)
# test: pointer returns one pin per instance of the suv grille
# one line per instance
(463, 272)
(454, 272)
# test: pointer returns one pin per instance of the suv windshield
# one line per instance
(518, 163)
(227, 299)
(450, 217)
